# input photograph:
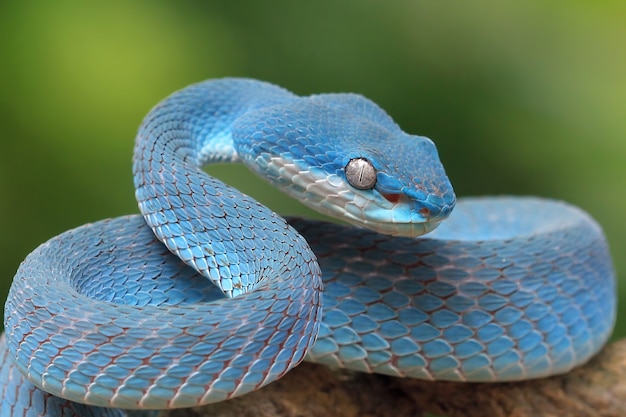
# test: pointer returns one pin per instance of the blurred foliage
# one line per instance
(521, 97)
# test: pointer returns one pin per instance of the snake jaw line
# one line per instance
(330, 194)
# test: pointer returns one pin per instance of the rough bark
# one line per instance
(596, 389)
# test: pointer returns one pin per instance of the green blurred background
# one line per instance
(520, 97)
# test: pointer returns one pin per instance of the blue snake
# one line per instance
(208, 294)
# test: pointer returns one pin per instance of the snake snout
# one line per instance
(437, 208)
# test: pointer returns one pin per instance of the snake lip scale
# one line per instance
(207, 294)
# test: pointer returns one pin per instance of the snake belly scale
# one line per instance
(208, 294)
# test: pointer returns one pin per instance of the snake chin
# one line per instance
(405, 229)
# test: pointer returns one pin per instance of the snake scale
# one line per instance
(208, 294)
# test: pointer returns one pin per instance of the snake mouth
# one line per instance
(406, 217)
(399, 220)
(402, 229)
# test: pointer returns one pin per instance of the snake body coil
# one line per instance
(110, 314)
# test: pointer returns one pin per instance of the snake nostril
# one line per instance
(425, 212)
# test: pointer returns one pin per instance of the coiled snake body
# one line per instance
(108, 314)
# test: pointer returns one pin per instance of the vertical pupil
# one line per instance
(361, 174)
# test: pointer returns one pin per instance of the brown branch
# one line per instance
(596, 389)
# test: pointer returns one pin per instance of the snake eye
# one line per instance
(361, 174)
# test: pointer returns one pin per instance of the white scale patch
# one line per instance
(219, 149)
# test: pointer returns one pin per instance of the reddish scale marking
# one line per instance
(392, 198)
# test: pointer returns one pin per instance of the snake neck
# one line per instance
(219, 227)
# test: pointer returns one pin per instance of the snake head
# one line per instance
(343, 156)
(398, 187)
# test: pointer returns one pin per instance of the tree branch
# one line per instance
(596, 389)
